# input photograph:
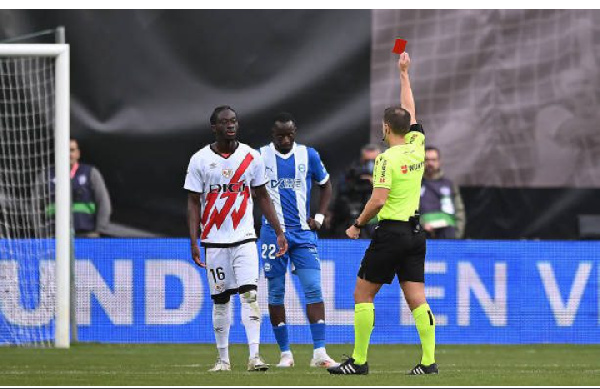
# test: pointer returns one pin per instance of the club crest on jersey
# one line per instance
(302, 168)
(227, 173)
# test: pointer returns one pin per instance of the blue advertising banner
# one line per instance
(149, 291)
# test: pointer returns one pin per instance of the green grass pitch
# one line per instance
(187, 365)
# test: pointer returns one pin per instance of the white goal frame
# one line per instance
(60, 52)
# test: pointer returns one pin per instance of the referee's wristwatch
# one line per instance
(357, 225)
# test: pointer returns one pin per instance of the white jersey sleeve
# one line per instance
(193, 178)
(259, 173)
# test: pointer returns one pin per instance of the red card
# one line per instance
(399, 46)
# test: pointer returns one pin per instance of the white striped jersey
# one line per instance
(226, 202)
(290, 178)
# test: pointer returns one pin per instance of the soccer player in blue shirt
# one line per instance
(291, 168)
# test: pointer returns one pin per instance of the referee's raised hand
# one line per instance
(404, 62)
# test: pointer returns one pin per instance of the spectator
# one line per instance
(90, 201)
(353, 192)
(442, 209)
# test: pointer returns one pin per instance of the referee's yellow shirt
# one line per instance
(400, 169)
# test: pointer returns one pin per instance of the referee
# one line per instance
(398, 244)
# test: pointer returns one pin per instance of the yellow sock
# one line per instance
(426, 328)
(364, 319)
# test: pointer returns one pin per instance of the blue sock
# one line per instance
(281, 335)
(318, 334)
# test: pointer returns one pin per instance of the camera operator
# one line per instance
(353, 192)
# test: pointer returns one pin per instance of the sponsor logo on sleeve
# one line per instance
(383, 170)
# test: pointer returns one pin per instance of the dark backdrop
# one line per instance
(144, 83)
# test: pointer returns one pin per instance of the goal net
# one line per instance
(34, 195)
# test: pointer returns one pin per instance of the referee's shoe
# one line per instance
(349, 367)
(422, 369)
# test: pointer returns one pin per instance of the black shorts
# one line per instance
(395, 250)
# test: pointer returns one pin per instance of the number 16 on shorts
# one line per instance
(231, 267)
(217, 274)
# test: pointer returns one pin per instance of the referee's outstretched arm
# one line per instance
(407, 101)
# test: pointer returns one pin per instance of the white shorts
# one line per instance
(229, 268)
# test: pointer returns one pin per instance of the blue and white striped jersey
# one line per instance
(290, 178)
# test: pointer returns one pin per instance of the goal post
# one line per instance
(62, 200)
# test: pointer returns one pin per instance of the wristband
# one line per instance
(319, 218)
(357, 225)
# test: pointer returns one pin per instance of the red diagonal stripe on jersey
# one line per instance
(218, 217)
(237, 216)
(211, 198)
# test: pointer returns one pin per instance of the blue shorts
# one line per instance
(302, 251)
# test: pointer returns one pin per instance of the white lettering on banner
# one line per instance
(431, 292)
(564, 314)
(157, 312)
(336, 317)
(468, 280)
(117, 304)
(10, 295)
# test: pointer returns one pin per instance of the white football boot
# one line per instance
(321, 359)
(287, 359)
(257, 364)
(221, 366)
